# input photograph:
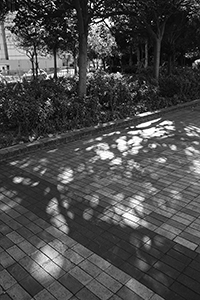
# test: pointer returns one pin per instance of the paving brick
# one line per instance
(53, 269)
(16, 252)
(63, 263)
(99, 262)
(17, 271)
(186, 243)
(83, 251)
(6, 260)
(43, 277)
(5, 242)
(155, 285)
(99, 290)
(4, 229)
(28, 264)
(126, 294)
(36, 241)
(109, 282)
(187, 252)
(173, 262)
(139, 289)
(24, 232)
(80, 275)
(90, 268)
(84, 294)
(44, 295)
(32, 286)
(73, 256)
(6, 280)
(58, 246)
(192, 273)
(40, 258)
(118, 274)
(71, 283)
(16, 292)
(59, 291)
(27, 247)
(5, 297)
(183, 291)
(49, 251)
(160, 277)
(189, 282)
(15, 237)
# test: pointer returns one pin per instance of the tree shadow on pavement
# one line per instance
(131, 196)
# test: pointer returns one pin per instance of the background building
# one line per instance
(14, 60)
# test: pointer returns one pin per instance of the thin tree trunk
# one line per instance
(169, 65)
(157, 50)
(138, 55)
(5, 47)
(36, 63)
(146, 57)
(55, 62)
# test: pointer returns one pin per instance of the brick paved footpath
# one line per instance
(116, 216)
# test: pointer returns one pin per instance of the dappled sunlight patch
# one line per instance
(93, 159)
(62, 188)
(153, 145)
(66, 203)
(192, 131)
(88, 214)
(135, 150)
(52, 150)
(47, 190)
(122, 143)
(36, 183)
(111, 133)
(161, 160)
(52, 207)
(93, 200)
(131, 219)
(148, 123)
(102, 150)
(99, 138)
(80, 168)
(18, 179)
(116, 161)
(40, 259)
(191, 151)
(173, 147)
(66, 175)
(119, 197)
(147, 241)
(70, 215)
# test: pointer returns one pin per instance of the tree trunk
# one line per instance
(146, 57)
(83, 21)
(169, 64)
(36, 63)
(55, 62)
(157, 50)
(138, 55)
(130, 61)
(82, 65)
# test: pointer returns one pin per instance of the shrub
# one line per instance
(32, 109)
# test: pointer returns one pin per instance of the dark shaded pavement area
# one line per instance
(116, 216)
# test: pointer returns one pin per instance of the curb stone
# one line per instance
(64, 138)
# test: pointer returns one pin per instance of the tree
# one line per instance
(101, 43)
(28, 33)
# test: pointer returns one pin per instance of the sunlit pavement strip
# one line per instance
(112, 217)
